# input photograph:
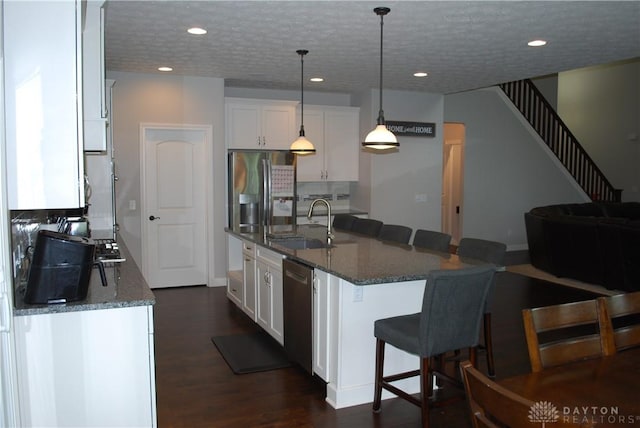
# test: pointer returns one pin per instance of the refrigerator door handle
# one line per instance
(266, 191)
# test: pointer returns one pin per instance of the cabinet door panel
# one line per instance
(73, 367)
(263, 311)
(249, 286)
(277, 126)
(44, 147)
(243, 126)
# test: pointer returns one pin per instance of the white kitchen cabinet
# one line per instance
(270, 311)
(94, 93)
(259, 124)
(235, 270)
(334, 131)
(43, 71)
(87, 368)
(249, 290)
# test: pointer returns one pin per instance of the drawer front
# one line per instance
(269, 257)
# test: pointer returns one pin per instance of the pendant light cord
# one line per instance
(302, 53)
(381, 12)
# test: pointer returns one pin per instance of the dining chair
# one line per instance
(490, 252)
(367, 226)
(432, 240)
(493, 406)
(490, 403)
(620, 321)
(395, 233)
(343, 221)
(452, 306)
(563, 333)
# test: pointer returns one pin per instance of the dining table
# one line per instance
(602, 392)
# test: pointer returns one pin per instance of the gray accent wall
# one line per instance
(601, 106)
(507, 169)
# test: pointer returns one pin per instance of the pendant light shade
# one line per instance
(301, 145)
(381, 138)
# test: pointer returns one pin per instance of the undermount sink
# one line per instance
(301, 243)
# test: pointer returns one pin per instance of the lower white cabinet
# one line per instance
(87, 368)
(249, 292)
(270, 312)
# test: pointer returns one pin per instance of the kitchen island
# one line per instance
(89, 363)
(357, 280)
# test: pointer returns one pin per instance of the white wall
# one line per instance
(507, 169)
(393, 180)
(154, 98)
(601, 106)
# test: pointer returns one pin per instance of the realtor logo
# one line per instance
(543, 411)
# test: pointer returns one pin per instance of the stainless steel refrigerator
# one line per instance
(261, 190)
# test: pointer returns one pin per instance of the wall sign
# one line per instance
(412, 129)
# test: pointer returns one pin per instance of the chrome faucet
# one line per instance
(310, 213)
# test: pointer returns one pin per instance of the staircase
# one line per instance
(546, 122)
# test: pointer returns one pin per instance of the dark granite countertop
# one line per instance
(360, 259)
(126, 287)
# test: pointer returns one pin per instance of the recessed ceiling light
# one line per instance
(197, 31)
(316, 79)
(536, 43)
(165, 69)
(420, 74)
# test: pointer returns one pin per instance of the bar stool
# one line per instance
(395, 233)
(343, 221)
(452, 307)
(367, 226)
(432, 240)
(490, 252)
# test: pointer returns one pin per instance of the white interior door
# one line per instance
(174, 205)
(452, 181)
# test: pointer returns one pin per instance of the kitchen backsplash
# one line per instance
(337, 193)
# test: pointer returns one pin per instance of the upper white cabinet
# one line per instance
(334, 131)
(43, 116)
(259, 124)
(94, 95)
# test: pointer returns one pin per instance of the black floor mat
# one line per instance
(251, 352)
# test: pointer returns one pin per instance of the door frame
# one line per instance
(208, 194)
(454, 133)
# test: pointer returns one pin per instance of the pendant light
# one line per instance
(302, 146)
(381, 138)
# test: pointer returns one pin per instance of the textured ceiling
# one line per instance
(461, 44)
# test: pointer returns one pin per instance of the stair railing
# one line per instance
(553, 131)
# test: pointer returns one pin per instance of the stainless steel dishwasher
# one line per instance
(297, 304)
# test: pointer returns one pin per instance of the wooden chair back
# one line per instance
(562, 333)
(493, 406)
(620, 321)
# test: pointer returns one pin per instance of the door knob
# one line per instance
(153, 218)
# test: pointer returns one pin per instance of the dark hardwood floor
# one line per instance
(196, 388)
